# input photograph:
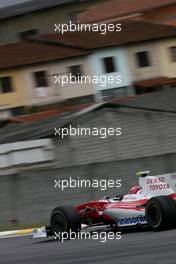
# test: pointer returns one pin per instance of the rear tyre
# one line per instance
(161, 213)
(65, 219)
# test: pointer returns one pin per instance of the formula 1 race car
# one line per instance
(152, 203)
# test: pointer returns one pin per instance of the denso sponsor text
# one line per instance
(157, 183)
(155, 180)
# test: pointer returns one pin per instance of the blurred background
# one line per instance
(32, 104)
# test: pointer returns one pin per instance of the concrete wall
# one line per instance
(143, 134)
(25, 153)
(28, 195)
(148, 142)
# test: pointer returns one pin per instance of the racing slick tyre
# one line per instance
(161, 213)
(65, 218)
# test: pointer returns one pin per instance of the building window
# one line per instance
(25, 34)
(40, 78)
(109, 65)
(173, 53)
(143, 59)
(76, 71)
(6, 84)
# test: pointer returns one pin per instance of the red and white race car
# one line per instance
(151, 203)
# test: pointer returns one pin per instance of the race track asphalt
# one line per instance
(134, 248)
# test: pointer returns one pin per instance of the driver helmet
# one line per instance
(135, 189)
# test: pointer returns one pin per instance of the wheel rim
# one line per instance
(59, 223)
(154, 216)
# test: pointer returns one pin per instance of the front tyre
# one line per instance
(161, 213)
(64, 219)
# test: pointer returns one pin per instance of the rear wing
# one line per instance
(164, 184)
